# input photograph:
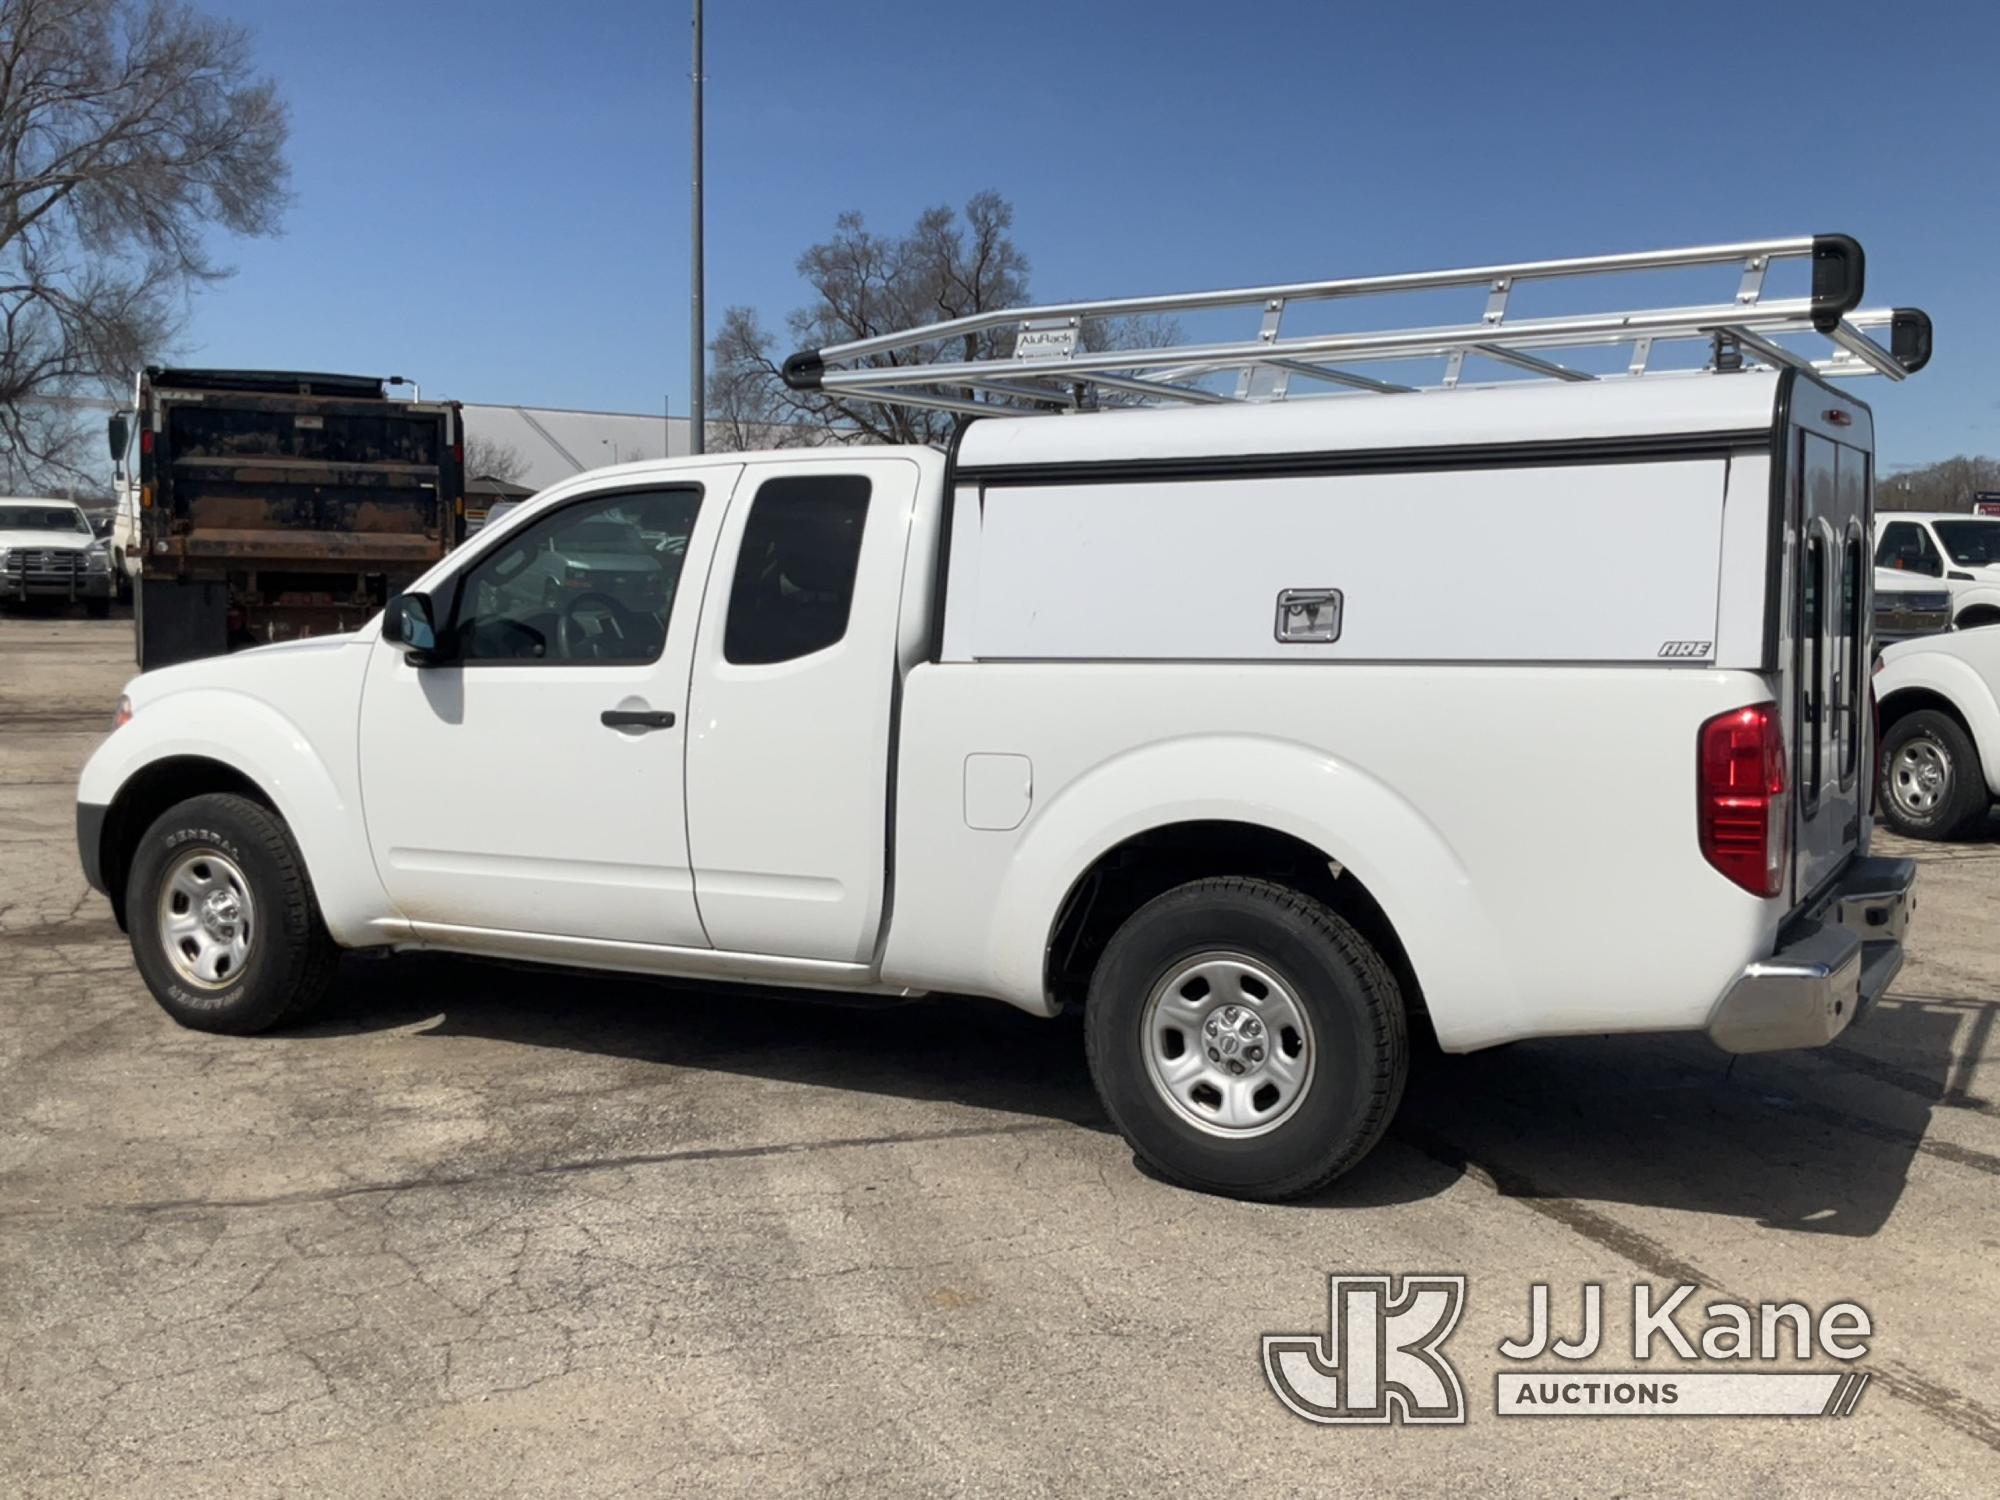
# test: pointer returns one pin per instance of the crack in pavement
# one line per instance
(49, 934)
(1937, 1400)
(552, 1169)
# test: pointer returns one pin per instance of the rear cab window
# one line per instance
(795, 568)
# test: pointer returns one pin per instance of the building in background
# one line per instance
(555, 443)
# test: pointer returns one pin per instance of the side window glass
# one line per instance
(1812, 632)
(1853, 669)
(795, 570)
(1907, 547)
(594, 582)
(1929, 559)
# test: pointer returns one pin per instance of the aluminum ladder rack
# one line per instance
(1050, 365)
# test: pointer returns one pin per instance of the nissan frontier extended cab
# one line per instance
(1246, 720)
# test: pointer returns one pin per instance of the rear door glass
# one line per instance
(1812, 638)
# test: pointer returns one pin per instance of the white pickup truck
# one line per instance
(1955, 552)
(49, 553)
(1940, 713)
(1255, 727)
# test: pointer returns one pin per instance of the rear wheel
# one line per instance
(1245, 1039)
(1933, 786)
(224, 926)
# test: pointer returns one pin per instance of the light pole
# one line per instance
(697, 396)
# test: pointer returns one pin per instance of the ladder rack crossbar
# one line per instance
(1056, 373)
(1309, 291)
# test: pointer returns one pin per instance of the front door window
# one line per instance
(594, 582)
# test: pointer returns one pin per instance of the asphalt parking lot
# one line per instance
(487, 1231)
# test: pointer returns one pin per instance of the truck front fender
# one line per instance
(1960, 684)
(1966, 597)
(1376, 835)
(243, 734)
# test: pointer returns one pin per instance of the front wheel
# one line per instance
(224, 926)
(1932, 784)
(1245, 1039)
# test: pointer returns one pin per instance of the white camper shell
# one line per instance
(1264, 727)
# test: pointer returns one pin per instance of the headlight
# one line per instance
(97, 560)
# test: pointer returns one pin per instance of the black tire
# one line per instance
(1359, 1033)
(1978, 617)
(97, 609)
(290, 962)
(1937, 736)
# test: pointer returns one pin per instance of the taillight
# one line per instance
(122, 714)
(146, 440)
(1745, 812)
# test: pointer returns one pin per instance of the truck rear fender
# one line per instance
(1372, 832)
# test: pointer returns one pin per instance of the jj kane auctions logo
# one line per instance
(1382, 1358)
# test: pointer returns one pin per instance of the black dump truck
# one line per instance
(262, 505)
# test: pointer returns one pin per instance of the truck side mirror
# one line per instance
(407, 621)
(118, 433)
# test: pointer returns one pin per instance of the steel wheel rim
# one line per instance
(1216, 1009)
(1920, 777)
(206, 919)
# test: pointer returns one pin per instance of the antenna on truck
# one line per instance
(1048, 364)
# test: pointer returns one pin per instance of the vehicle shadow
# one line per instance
(1666, 1122)
(1818, 1143)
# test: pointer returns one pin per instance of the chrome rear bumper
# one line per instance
(1832, 963)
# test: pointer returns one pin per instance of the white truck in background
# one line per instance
(1939, 700)
(1244, 720)
(1956, 552)
(50, 554)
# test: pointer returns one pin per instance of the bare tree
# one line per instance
(948, 266)
(1948, 484)
(748, 405)
(487, 459)
(128, 128)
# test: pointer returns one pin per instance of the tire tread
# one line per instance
(1387, 1015)
(310, 956)
(1967, 806)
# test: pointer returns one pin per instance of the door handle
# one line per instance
(636, 718)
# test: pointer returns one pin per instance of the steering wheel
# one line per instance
(570, 633)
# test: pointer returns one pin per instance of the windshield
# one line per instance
(1972, 544)
(42, 518)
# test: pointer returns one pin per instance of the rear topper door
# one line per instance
(1830, 660)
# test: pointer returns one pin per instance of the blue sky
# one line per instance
(492, 197)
